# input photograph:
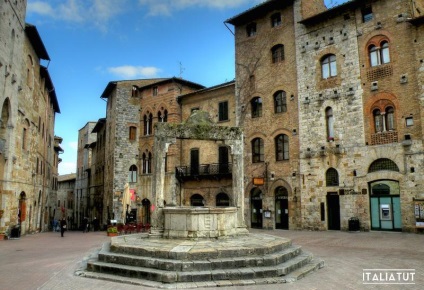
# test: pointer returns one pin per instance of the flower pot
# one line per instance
(112, 234)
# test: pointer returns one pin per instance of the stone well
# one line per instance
(200, 222)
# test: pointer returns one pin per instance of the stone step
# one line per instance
(164, 276)
(313, 265)
(138, 245)
(198, 265)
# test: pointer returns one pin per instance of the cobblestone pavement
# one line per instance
(47, 261)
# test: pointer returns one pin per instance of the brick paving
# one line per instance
(47, 261)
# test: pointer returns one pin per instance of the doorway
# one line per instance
(333, 211)
(223, 160)
(385, 206)
(256, 208)
(281, 208)
(194, 161)
(145, 211)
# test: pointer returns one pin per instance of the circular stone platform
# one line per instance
(144, 260)
(182, 249)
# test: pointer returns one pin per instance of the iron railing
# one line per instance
(214, 170)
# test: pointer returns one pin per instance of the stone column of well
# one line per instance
(238, 178)
(161, 145)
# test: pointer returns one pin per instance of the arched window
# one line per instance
(390, 118)
(256, 104)
(132, 176)
(280, 102)
(222, 199)
(282, 147)
(330, 123)
(332, 177)
(147, 163)
(385, 55)
(383, 164)
(257, 150)
(277, 52)
(379, 55)
(148, 124)
(378, 121)
(163, 117)
(384, 120)
(197, 200)
(374, 58)
(328, 66)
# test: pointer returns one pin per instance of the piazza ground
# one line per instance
(47, 261)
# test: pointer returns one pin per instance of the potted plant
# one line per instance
(112, 231)
(3, 234)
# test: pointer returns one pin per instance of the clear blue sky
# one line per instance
(93, 42)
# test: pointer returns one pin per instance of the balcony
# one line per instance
(204, 171)
(382, 138)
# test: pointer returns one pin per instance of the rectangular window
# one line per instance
(367, 14)
(155, 91)
(409, 121)
(223, 111)
(276, 20)
(251, 29)
(133, 133)
(24, 138)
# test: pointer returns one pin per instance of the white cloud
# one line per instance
(129, 72)
(165, 7)
(99, 12)
(39, 7)
(67, 167)
(73, 145)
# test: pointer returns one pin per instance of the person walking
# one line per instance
(85, 225)
(62, 226)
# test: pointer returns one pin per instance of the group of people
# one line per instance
(86, 224)
(62, 225)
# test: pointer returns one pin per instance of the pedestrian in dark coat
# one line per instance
(62, 226)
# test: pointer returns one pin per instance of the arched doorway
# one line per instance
(385, 205)
(281, 208)
(385, 198)
(197, 200)
(145, 211)
(222, 199)
(256, 208)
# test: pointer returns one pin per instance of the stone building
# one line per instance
(65, 199)
(132, 109)
(28, 148)
(96, 185)
(267, 107)
(352, 77)
(82, 207)
(204, 171)
(329, 101)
